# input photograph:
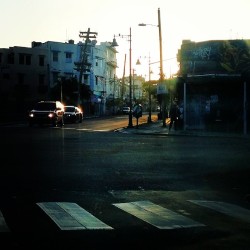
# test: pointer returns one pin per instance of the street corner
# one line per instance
(125, 130)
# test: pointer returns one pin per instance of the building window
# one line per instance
(24, 59)
(11, 58)
(55, 56)
(28, 59)
(41, 60)
(21, 58)
(68, 56)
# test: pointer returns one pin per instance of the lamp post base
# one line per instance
(130, 122)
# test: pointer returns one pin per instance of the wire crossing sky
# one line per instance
(24, 21)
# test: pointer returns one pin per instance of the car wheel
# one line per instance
(62, 123)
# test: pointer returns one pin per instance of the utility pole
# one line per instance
(114, 43)
(149, 91)
(161, 71)
(83, 57)
(123, 78)
(114, 95)
(130, 123)
(161, 88)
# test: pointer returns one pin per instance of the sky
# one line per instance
(24, 21)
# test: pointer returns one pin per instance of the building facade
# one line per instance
(23, 74)
(28, 74)
(214, 89)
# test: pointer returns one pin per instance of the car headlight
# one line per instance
(31, 115)
(51, 115)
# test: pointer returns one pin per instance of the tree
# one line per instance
(69, 88)
(150, 87)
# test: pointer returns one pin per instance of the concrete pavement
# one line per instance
(156, 128)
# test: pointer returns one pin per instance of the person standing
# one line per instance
(174, 114)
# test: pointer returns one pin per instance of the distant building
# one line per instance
(28, 74)
(61, 59)
(104, 68)
(23, 73)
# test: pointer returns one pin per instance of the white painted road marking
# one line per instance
(3, 225)
(225, 208)
(70, 216)
(157, 216)
(94, 130)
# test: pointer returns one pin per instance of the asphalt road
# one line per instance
(134, 191)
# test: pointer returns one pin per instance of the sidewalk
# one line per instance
(156, 128)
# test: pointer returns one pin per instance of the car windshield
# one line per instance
(69, 109)
(45, 106)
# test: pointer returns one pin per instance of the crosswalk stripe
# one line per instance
(156, 215)
(3, 225)
(225, 208)
(70, 216)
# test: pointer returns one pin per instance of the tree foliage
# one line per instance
(150, 87)
(69, 89)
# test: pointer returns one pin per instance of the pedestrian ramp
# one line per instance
(225, 208)
(157, 216)
(3, 225)
(70, 216)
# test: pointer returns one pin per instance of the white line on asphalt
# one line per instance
(157, 216)
(225, 208)
(70, 216)
(3, 225)
(102, 130)
(95, 130)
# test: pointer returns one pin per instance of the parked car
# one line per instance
(47, 112)
(72, 114)
(125, 110)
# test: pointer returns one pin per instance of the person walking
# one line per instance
(174, 114)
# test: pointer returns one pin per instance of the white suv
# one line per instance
(47, 112)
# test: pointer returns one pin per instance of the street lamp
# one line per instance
(149, 87)
(114, 43)
(161, 64)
